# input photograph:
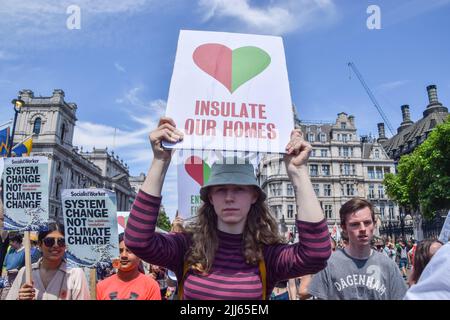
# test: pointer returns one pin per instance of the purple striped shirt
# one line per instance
(230, 277)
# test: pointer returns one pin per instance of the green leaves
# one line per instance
(423, 178)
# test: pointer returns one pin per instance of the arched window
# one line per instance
(37, 126)
(63, 131)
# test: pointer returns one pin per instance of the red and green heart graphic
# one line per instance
(122, 221)
(197, 169)
(232, 68)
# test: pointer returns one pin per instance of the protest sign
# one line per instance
(444, 236)
(90, 224)
(25, 193)
(230, 91)
(193, 169)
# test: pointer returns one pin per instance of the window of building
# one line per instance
(326, 169)
(346, 169)
(313, 170)
(327, 190)
(311, 137)
(323, 137)
(379, 173)
(382, 210)
(328, 210)
(316, 188)
(63, 131)
(391, 211)
(290, 189)
(323, 153)
(345, 138)
(380, 191)
(276, 210)
(275, 189)
(371, 172)
(57, 190)
(37, 126)
(377, 154)
(290, 211)
(343, 125)
(371, 191)
(350, 189)
(313, 152)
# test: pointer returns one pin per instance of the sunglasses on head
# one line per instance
(49, 242)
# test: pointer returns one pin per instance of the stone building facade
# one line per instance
(51, 122)
(341, 166)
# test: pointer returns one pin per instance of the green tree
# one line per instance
(163, 220)
(423, 178)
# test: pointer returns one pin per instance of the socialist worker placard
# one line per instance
(230, 92)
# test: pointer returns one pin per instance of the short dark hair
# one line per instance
(52, 226)
(17, 237)
(354, 205)
(121, 237)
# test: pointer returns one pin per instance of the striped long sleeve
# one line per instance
(165, 250)
(308, 256)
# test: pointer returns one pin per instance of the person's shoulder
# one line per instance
(143, 278)
(107, 281)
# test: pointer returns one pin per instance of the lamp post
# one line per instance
(17, 105)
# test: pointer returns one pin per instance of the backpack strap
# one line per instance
(180, 282)
(262, 273)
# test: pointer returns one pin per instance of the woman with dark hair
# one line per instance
(232, 249)
(424, 252)
(52, 280)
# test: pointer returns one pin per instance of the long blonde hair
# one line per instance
(260, 229)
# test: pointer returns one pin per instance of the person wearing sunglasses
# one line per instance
(51, 278)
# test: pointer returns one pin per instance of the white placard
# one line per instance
(25, 193)
(90, 224)
(230, 91)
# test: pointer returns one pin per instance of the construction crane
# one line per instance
(372, 97)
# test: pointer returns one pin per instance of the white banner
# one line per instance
(193, 170)
(230, 91)
(25, 193)
(90, 223)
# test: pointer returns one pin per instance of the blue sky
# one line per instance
(117, 67)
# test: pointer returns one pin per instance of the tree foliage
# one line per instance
(422, 181)
(163, 220)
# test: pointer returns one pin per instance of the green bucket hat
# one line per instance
(231, 171)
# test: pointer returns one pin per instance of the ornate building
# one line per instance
(51, 122)
(411, 134)
(341, 166)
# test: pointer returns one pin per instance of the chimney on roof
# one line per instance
(434, 104)
(432, 95)
(381, 133)
(406, 118)
(405, 113)
(351, 119)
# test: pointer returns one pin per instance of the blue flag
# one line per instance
(4, 142)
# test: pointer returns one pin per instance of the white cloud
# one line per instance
(131, 142)
(119, 67)
(276, 18)
(392, 85)
(43, 23)
(409, 10)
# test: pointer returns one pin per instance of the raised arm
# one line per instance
(295, 159)
(140, 235)
(161, 158)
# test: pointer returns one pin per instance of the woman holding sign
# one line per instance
(52, 280)
(232, 250)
